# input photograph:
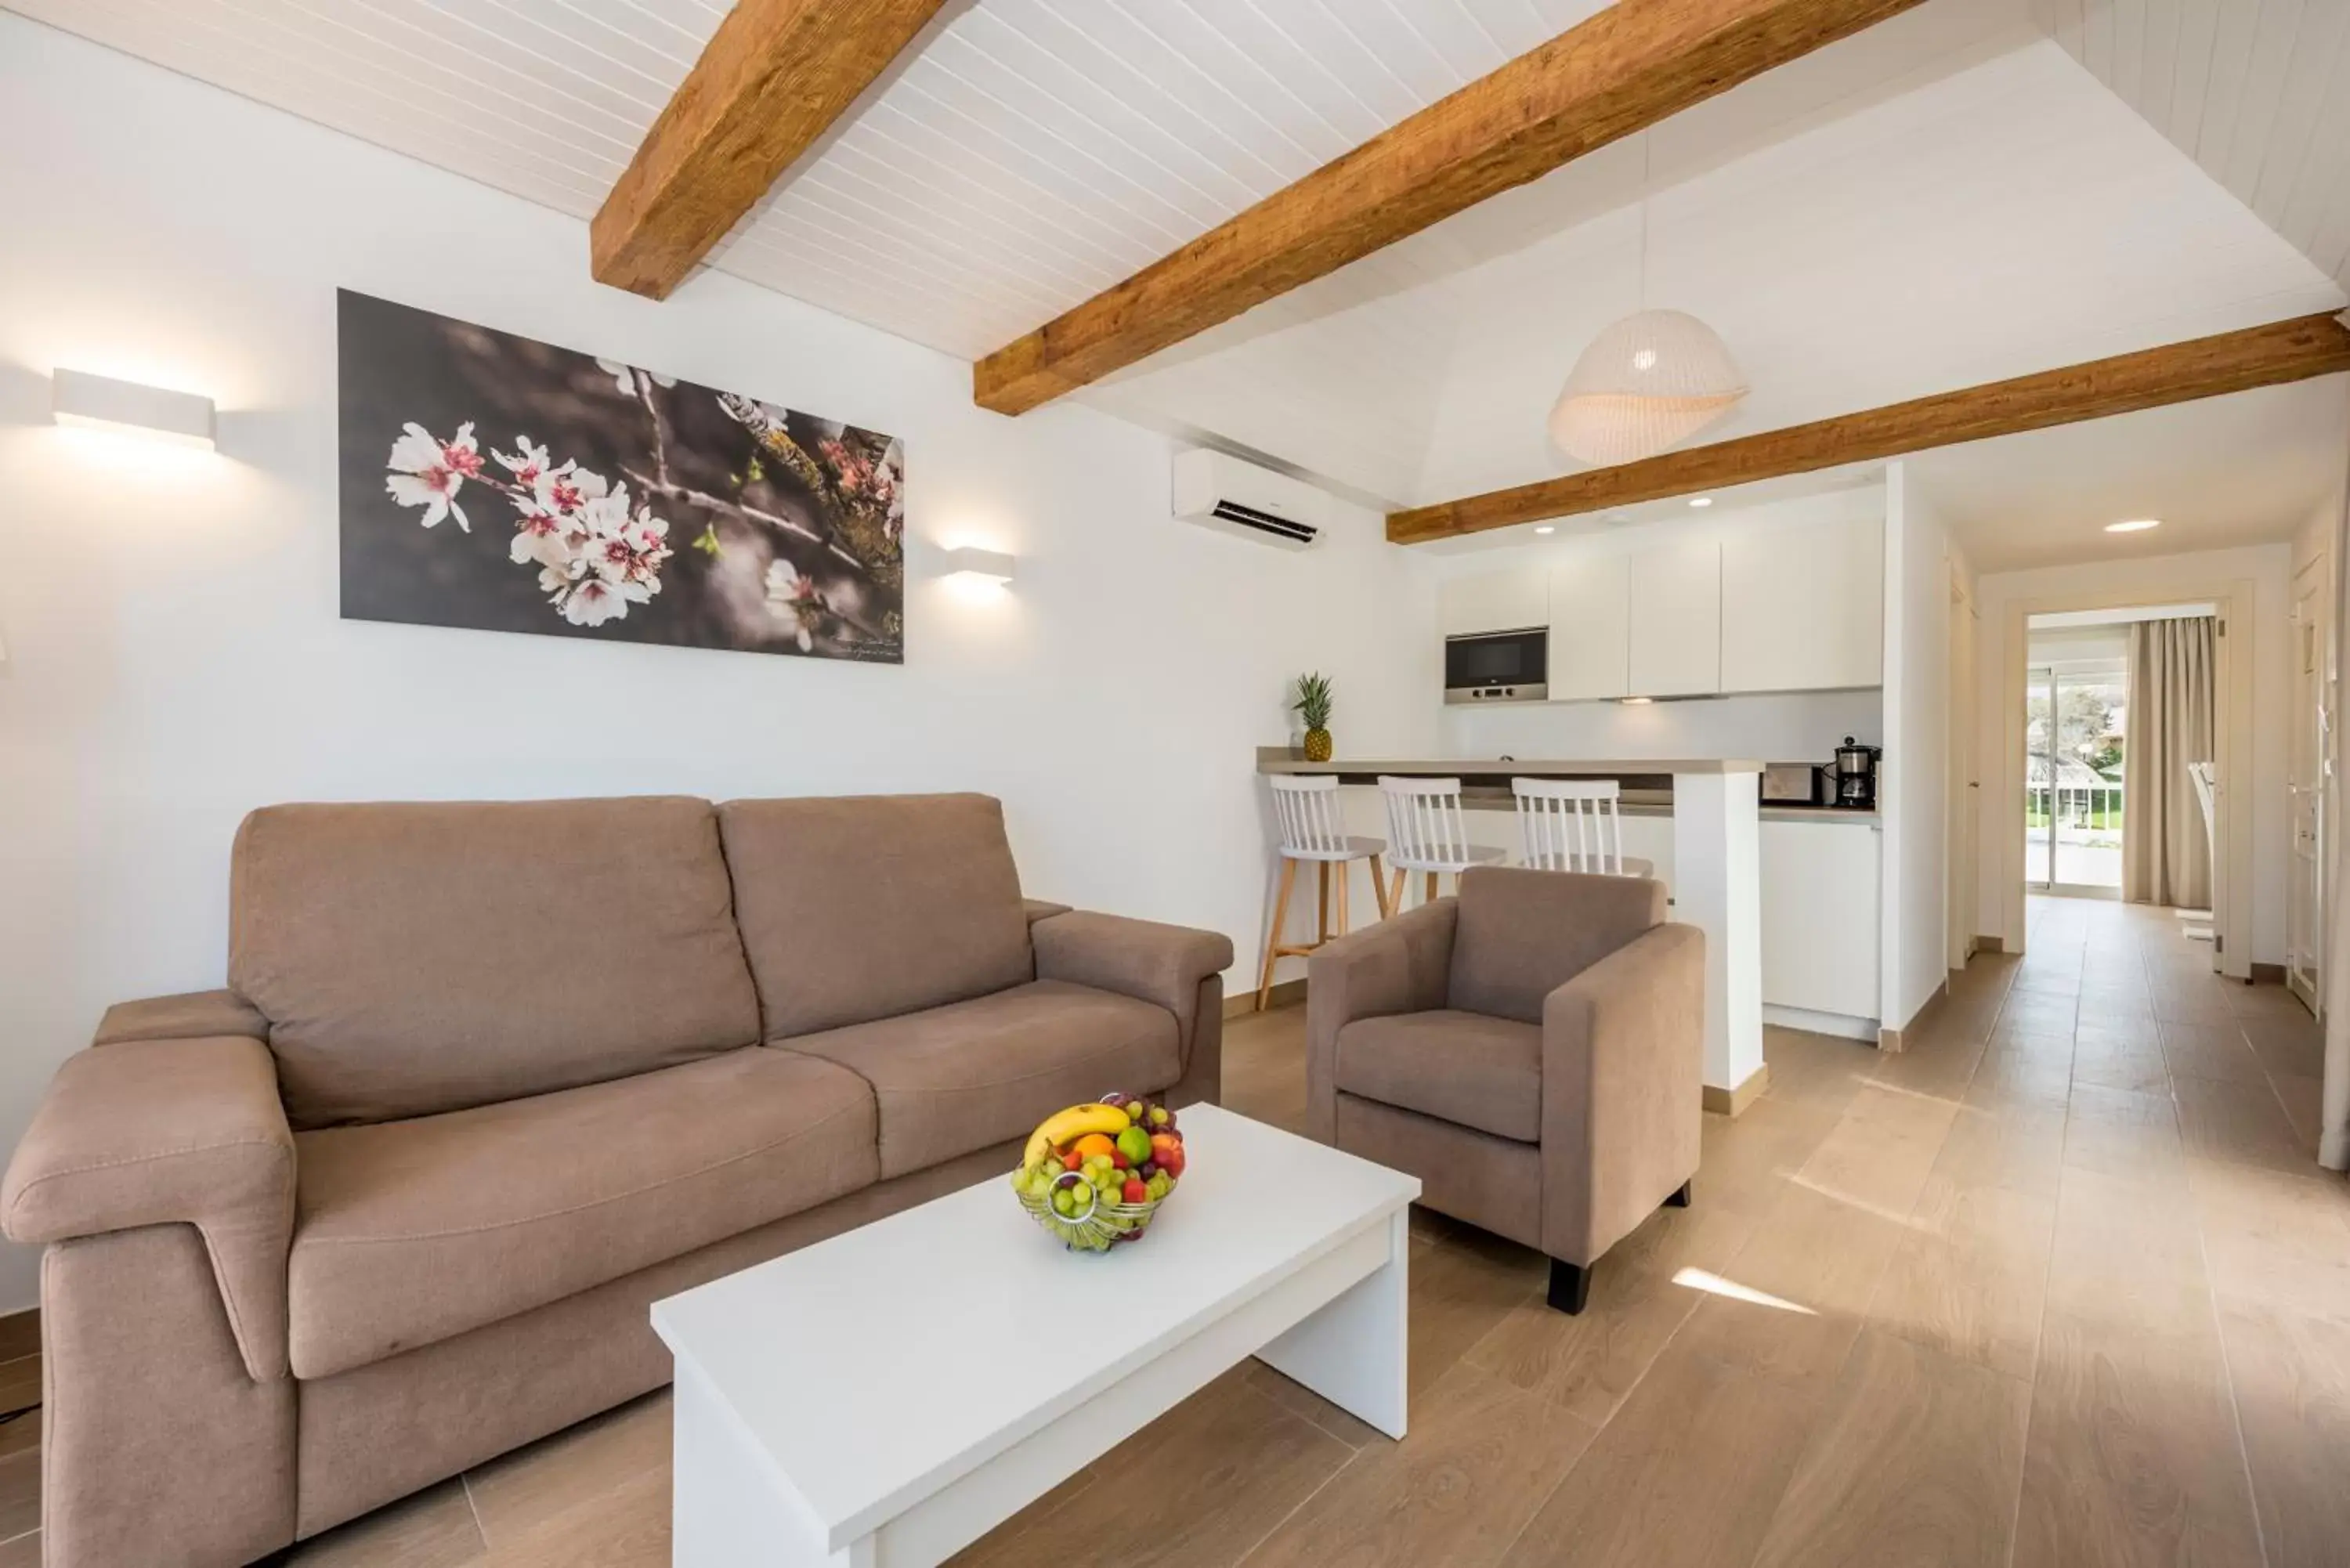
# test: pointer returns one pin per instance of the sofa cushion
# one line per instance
(1467, 1068)
(408, 1232)
(860, 909)
(419, 958)
(1521, 934)
(960, 1077)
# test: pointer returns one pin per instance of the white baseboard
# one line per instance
(1811, 1022)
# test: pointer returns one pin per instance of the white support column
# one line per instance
(1718, 887)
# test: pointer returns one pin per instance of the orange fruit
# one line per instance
(1093, 1144)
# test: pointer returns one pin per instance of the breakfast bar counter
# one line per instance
(1716, 879)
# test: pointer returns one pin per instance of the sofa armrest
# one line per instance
(1162, 964)
(1400, 965)
(162, 1132)
(1623, 1085)
(1042, 910)
(191, 1015)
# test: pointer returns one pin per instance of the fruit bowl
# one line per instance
(1094, 1175)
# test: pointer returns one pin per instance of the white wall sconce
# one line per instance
(102, 402)
(974, 566)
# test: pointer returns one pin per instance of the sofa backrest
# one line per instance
(415, 958)
(1521, 934)
(854, 909)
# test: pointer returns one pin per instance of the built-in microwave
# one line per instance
(1497, 666)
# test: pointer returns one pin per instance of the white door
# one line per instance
(2312, 716)
(1675, 616)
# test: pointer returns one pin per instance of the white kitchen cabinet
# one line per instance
(1802, 606)
(1676, 620)
(1821, 894)
(1590, 604)
(1494, 601)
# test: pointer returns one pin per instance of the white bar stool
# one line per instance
(1572, 824)
(1307, 807)
(1428, 832)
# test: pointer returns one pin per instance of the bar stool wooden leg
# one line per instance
(1346, 869)
(1321, 910)
(1380, 889)
(1394, 893)
(1431, 888)
(1273, 932)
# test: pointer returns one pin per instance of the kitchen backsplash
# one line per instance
(1797, 726)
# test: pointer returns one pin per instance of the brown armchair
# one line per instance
(1532, 1049)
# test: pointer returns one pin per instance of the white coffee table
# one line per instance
(884, 1399)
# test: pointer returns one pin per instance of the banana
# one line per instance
(1074, 1122)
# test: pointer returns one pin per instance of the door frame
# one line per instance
(2231, 868)
(2319, 733)
(1962, 823)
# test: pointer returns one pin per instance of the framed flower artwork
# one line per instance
(499, 484)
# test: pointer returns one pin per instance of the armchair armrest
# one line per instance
(1400, 965)
(1170, 966)
(158, 1132)
(1623, 1085)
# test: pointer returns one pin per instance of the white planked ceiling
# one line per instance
(2010, 217)
(1945, 198)
(2256, 91)
(1026, 154)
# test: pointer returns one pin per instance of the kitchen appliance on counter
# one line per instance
(1497, 666)
(1794, 784)
(1853, 775)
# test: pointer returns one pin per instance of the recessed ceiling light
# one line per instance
(1701, 501)
(1636, 701)
(2137, 525)
(1547, 528)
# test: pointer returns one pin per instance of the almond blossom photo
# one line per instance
(496, 482)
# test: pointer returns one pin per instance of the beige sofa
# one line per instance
(1534, 1051)
(490, 1079)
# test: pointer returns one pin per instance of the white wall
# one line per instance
(1790, 727)
(175, 657)
(2151, 580)
(1914, 782)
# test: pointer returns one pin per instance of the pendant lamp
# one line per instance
(1652, 379)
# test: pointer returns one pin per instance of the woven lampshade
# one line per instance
(1647, 382)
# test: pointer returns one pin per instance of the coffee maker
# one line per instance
(1853, 775)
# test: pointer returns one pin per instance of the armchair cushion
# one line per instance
(1522, 934)
(957, 1078)
(1397, 966)
(414, 1231)
(1462, 1068)
(163, 1132)
(1160, 965)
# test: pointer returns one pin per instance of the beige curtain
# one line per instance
(2166, 848)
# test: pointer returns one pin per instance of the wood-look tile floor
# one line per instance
(2060, 1287)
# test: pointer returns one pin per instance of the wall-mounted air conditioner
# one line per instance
(1236, 497)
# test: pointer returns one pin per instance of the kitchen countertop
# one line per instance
(1282, 760)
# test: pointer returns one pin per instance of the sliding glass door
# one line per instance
(2075, 733)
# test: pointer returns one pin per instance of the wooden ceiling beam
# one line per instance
(773, 79)
(1626, 69)
(2266, 356)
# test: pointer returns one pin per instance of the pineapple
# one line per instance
(1313, 705)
